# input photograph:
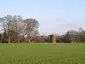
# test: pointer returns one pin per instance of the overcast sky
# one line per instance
(54, 16)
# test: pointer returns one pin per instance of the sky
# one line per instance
(54, 16)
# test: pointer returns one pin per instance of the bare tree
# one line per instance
(12, 25)
(18, 26)
(73, 34)
(31, 26)
(15, 27)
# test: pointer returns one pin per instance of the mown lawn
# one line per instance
(42, 53)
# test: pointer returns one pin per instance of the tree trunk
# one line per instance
(72, 41)
(18, 41)
(2, 38)
(9, 40)
(29, 40)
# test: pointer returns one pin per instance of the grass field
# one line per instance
(42, 53)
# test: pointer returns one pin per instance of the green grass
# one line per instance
(42, 53)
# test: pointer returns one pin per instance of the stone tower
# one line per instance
(52, 38)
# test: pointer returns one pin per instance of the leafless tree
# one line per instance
(12, 25)
(15, 27)
(31, 26)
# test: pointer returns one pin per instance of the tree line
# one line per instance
(72, 36)
(15, 29)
